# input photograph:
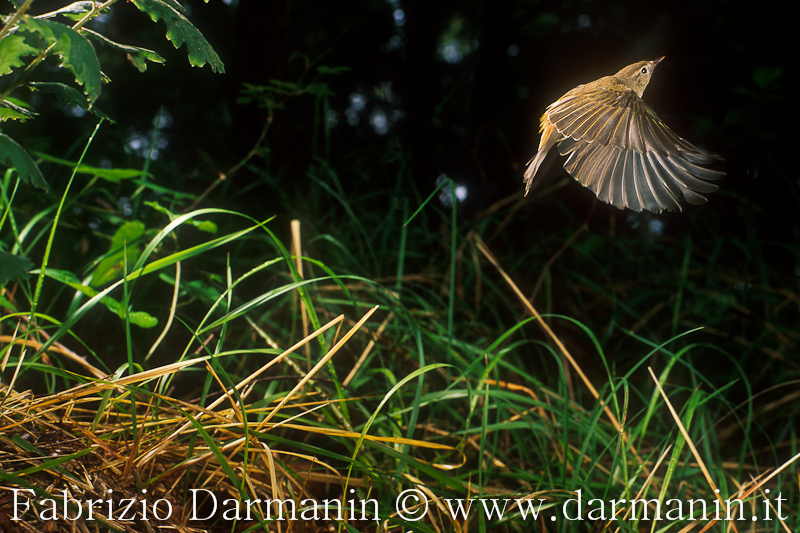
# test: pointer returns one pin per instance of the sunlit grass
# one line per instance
(272, 398)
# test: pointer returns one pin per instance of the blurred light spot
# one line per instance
(352, 116)
(357, 101)
(656, 227)
(142, 145)
(135, 142)
(333, 118)
(75, 111)
(451, 53)
(513, 50)
(446, 192)
(125, 204)
(163, 119)
(399, 17)
(357, 104)
(445, 196)
(584, 21)
(395, 42)
(379, 122)
(454, 45)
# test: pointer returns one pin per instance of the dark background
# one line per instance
(724, 86)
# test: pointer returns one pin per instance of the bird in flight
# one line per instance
(620, 149)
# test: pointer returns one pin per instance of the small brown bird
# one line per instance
(619, 148)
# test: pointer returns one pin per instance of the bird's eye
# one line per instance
(644, 70)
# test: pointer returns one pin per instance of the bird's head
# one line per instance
(637, 76)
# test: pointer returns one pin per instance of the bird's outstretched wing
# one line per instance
(620, 149)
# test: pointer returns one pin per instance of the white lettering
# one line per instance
(124, 515)
(579, 514)
(232, 513)
(459, 512)
(495, 509)
(155, 509)
(530, 509)
(195, 504)
(17, 502)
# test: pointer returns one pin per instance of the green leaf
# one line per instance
(764, 76)
(114, 175)
(12, 50)
(139, 318)
(69, 95)
(197, 289)
(14, 155)
(75, 11)
(127, 241)
(77, 53)
(180, 30)
(9, 111)
(13, 266)
(138, 56)
(5, 302)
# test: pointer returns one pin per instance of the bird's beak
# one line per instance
(657, 61)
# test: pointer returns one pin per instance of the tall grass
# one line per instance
(385, 344)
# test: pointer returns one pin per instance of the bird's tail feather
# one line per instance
(533, 166)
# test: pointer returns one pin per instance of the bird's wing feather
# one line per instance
(614, 133)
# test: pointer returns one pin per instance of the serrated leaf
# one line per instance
(12, 50)
(127, 241)
(20, 105)
(180, 31)
(74, 11)
(139, 318)
(15, 109)
(13, 266)
(114, 175)
(69, 95)
(14, 155)
(14, 113)
(138, 56)
(76, 52)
